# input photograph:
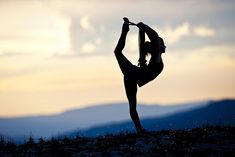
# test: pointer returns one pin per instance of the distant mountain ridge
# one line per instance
(216, 113)
(46, 126)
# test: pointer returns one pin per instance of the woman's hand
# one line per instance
(140, 25)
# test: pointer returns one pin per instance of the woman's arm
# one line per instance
(152, 34)
(142, 54)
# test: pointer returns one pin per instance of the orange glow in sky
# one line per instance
(58, 55)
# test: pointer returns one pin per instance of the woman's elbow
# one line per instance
(117, 50)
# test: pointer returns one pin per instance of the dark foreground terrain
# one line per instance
(206, 141)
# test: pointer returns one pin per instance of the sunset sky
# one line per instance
(58, 55)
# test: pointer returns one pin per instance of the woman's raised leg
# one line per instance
(124, 64)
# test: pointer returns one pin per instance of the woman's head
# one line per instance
(162, 46)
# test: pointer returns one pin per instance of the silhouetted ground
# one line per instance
(207, 141)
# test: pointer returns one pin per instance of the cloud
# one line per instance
(84, 37)
(10, 54)
(98, 41)
(203, 31)
(88, 47)
(86, 24)
(32, 28)
(173, 35)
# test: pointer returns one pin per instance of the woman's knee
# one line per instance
(117, 51)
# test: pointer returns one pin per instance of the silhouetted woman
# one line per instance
(134, 75)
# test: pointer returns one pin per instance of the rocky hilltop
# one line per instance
(205, 141)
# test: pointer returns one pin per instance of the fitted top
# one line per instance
(149, 73)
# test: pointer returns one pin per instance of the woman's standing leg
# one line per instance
(131, 91)
(130, 74)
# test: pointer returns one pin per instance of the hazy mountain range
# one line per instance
(215, 113)
(84, 118)
(112, 118)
